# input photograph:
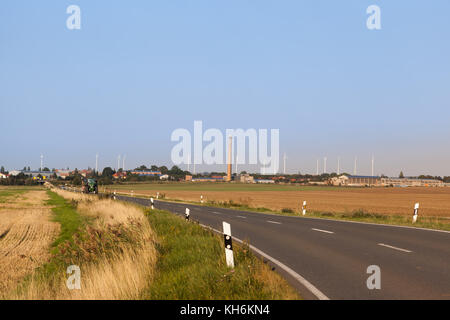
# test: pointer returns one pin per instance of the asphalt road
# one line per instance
(333, 256)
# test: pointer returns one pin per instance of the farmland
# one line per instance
(42, 232)
(26, 232)
(434, 202)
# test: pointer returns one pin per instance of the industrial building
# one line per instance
(384, 181)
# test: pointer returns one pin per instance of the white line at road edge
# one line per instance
(320, 230)
(269, 221)
(395, 248)
(308, 285)
(216, 212)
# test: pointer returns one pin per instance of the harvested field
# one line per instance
(434, 202)
(115, 251)
(26, 234)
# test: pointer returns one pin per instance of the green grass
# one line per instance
(66, 215)
(192, 265)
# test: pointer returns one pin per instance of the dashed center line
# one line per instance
(320, 230)
(242, 217)
(269, 221)
(215, 212)
(395, 248)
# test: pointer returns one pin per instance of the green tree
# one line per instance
(163, 169)
(107, 172)
(2, 169)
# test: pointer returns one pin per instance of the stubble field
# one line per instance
(434, 202)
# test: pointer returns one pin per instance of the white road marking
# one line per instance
(270, 221)
(395, 248)
(215, 212)
(320, 230)
(242, 217)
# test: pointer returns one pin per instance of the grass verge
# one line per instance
(192, 266)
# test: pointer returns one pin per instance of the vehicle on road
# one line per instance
(90, 186)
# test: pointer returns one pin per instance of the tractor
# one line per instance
(90, 186)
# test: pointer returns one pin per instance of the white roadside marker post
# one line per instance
(152, 203)
(228, 244)
(132, 193)
(304, 208)
(114, 197)
(187, 214)
(157, 195)
(416, 212)
(201, 199)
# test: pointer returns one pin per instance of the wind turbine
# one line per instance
(354, 168)
(338, 166)
(96, 163)
(325, 165)
(42, 161)
(372, 165)
(284, 164)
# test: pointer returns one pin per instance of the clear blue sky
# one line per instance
(137, 70)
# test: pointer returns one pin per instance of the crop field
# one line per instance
(434, 202)
(26, 232)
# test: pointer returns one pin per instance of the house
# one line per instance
(63, 174)
(3, 175)
(339, 181)
(120, 175)
(268, 181)
(246, 178)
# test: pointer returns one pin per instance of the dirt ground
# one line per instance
(390, 201)
(26, 233)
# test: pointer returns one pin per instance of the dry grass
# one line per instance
(122, 272)
(26, 233)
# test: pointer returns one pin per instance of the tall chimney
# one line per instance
(230, 143)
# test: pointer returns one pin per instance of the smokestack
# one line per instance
(230, 148)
